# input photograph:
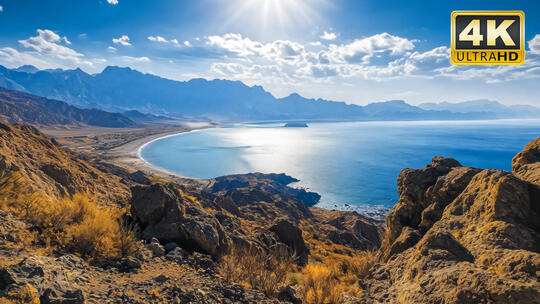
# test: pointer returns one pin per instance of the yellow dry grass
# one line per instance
(75, 223)
(326, 281)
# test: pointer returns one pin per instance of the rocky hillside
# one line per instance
(31, 164)
(462, 235)
(22, 108)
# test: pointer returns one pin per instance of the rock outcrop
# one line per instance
(165, 214)
(289, 234)
(349, 229)
(462, 235)
(269, 183)
(526, 164)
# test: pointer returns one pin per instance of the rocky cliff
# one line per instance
(462, 235)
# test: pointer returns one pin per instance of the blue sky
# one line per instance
(355, 51)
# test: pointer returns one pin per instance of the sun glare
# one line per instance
(275, 15)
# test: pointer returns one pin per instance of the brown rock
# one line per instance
(526, 164)
(166, 215)
(412, 187)
(291, 235)
(479, 238)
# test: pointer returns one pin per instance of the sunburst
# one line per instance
(274, 15)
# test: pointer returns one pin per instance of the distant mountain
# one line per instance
(23, 108)
(123, 89)
(145, 117)
(484, 106)
(27, 69)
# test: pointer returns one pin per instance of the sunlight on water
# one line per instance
(355, 162)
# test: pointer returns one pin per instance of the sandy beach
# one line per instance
(128, 156)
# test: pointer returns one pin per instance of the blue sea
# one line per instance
(348, 163)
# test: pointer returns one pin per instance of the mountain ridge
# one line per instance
(122, 89)
(23, 108)
(481, 106)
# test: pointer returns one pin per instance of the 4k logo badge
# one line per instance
(488, 37)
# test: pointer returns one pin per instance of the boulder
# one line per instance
(156, 248)
(165, 214)
(129, 264)
(289, 234)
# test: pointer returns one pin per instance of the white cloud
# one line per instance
(135, 59)
(363, 49)
(328, 36)
(174, 41)
(1, 8)
(157, 39)
(187, 43)
(45, 51)
(123, 40)
(277, 51)
(111, 49)
(11, 57)
(534, 45)
(380, 57)
(46, 42)
(113, 2)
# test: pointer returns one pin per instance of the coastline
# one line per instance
(128, 156)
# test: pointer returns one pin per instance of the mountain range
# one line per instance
(483, 106)
(121, 89)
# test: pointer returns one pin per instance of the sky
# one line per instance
(346, 50)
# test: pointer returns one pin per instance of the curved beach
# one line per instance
(129, 157)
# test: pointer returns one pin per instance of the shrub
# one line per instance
(320, 284)
(94, 235)
(258, 269)
(75, 224)
(128, 244)
(326, 281)
(100, 232)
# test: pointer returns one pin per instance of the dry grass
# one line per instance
(74, 224)
(264, 271)
(318, 282)
(326, 281)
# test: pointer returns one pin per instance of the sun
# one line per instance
(274, 15)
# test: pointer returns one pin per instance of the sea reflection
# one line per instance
(355, 162)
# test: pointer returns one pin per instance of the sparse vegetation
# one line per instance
(258, 269)
(319, 282)
(76, 224)
(326, 281)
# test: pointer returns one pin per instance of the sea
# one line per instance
(352, 165)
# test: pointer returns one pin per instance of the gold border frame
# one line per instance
(521, 15)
